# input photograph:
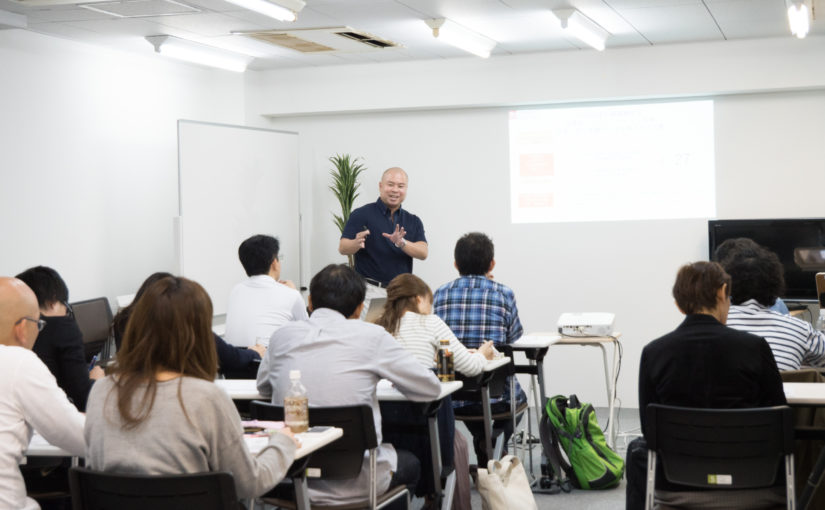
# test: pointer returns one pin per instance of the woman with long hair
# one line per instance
(408, 317)
(159, 411)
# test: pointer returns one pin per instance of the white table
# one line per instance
(808, 394)
(241, 389)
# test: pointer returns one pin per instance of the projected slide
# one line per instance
(604, 163)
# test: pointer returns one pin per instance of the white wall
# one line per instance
(89, 157)
(458, 165)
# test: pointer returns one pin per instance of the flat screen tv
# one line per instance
(799, 243)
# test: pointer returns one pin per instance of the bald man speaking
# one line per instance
(384, 237)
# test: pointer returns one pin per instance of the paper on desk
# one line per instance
(528, 340)
(384, 385)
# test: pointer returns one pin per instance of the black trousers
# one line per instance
(636, 471)
(476, 428)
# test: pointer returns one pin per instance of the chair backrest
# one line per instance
(696, 446)
(93, 490)
(342, 459)
(94, 318)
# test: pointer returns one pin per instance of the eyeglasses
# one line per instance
(40, 322)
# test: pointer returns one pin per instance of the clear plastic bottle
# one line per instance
(819, 325)
(446, 366)
(296, 404)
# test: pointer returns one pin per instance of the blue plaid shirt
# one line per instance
(478, 309)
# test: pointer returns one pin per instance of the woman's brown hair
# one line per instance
(697, 284)
(169, 330)
(401, 298)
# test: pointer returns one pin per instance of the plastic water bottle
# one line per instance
(820, 321)
(296, 404)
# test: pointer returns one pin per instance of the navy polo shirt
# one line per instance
(380, 259)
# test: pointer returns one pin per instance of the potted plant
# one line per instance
(345, 187)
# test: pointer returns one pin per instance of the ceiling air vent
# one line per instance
(323, 40)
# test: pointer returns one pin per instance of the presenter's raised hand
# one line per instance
(397, 237)
(361, 237)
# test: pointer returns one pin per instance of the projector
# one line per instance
(586, 324)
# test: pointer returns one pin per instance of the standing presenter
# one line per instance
(383, 237)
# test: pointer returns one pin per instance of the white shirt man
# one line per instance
(262, 304)
(31, 397)
(259, 306)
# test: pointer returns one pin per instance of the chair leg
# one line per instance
(651, 479)
(790, 485)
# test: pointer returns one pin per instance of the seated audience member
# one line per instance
(233, 362)
(478, 309)
(703, 364)
(60, 344)
(161, 413)
(341, 359)
(31, 397)
(744, 246)
(408, 317)
(757, 280)
(261, 304)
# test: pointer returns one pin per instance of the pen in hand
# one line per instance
(93, 363)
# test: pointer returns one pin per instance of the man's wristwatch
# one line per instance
(402, 244)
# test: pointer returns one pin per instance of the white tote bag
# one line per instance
(504, 486)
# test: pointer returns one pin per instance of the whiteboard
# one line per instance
(234, 182)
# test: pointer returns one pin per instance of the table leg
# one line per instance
(813, 481)
(301, 492)
(488, 422)
(435, 455)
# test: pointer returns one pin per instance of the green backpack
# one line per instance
(590, 463)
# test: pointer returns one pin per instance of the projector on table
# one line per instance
(586, 324)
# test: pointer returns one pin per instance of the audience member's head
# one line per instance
(734, 247)
(405, 293)
(258, 253)
(337, 287)
(19, 314)
(755, 275)
(702, 287)
(474, 254)
(169, 331)
(47, 285)
(122, 316)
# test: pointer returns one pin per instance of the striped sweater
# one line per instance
(794, 342)
(420, 334)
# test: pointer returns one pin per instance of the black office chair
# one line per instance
(720, 448)
(94, 490)
(342, 459)
(472, 390)
(94, 318)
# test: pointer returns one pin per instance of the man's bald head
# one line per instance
(394, 170)
(17, 301)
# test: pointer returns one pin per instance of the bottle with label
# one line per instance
(446, 368)
(296, 405)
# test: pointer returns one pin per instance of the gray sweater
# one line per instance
(169, 443)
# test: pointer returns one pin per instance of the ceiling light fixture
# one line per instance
(581, 27)
(798, 18)
(199, 53)
(284, 10)
(460, 37)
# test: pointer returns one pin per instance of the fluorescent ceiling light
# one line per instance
(284, 10)
(460, 37)
(581, 27)
(798, 18)
(199, 53)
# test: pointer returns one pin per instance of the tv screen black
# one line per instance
(799, 243)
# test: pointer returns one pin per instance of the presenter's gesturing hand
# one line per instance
(397, 237)
(361, 237)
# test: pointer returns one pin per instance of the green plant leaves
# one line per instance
(345, 185)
